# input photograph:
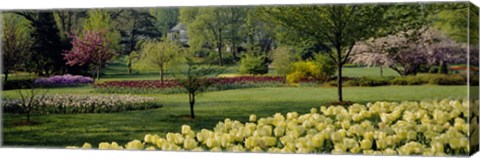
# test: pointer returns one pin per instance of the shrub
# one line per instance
(434, 79)
(303, 70)
(319, 70)
(326, 66)
(282, 59)
(370, 81)
(252, 64)
(415, 80)
(443, 79)
(350, 83)
(474, 80)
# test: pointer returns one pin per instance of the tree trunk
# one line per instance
(192, 103)
(98, 72)
(339, 83)
(339, 77)
(219, 43)
(28, 116)
(130, 67)
(442, 68)
(161, 75)
(220, 62)
(381, 71)
(47, 73)
(6, 76)
(234, 52)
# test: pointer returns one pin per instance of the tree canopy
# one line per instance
(16, 43)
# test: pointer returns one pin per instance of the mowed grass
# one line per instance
(58, 130)
(368, 72)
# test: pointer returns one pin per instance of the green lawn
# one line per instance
(117, 70)
(60, 130)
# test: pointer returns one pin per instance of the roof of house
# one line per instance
(178, 27)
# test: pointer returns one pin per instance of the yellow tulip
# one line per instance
(114, 145)
(148, 138)
(87, 146)
(412, 135)
(381, 143)
(150, 148)
(317, 140)
(104, 145)
(216, 149)
(270, 141)
(198, 149)
(189, 143)
(366, 144)
(186, 129)
(257, 149)
(134, 145)
(253, 118)
(355, 150)
(389, 151)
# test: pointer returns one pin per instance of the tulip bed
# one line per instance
(172, 86)
(431, 128)
(68, 104)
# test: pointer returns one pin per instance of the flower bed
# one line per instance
(382, 128)
(65, 80)
(68, 104)
(172, 86)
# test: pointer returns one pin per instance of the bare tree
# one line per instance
(30, 99)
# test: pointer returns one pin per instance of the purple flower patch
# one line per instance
(65, 80)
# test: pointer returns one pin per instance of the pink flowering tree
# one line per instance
(91, 48)
(408, 52)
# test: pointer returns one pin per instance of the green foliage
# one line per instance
(453, 20)
(135, 25)
(16, 83)
(160, 54)
(16, 42)
(368, 81)
(68, 20)
(326, 66)
(194, 80)
(101, 20)
(433, 79)
(419, 79)
(253, 64)
(282, 58)
(46, 57)
(166, 18)
(334, 28)
(214, 27)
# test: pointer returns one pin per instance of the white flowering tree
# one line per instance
(407, 52)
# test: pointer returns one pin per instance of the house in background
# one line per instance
(178, 33)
